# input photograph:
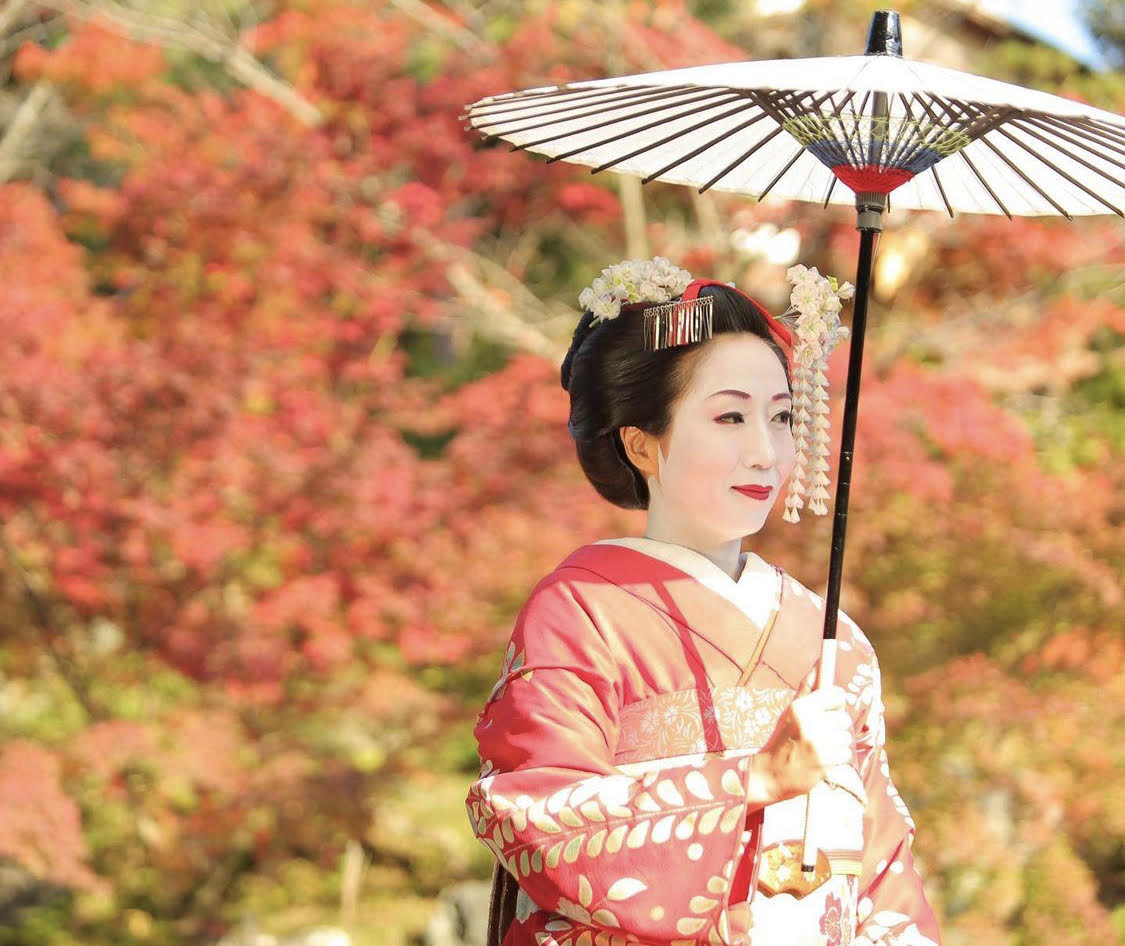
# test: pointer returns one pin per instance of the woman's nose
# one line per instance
(758, 451)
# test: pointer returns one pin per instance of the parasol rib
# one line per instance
(1060, 172)
(928, 139)
(494, 109)
(628, 132)
(831, 187)
(868, 153)
(773, 110)
(975, 121)
(1048, 123)
(1109, 130)
(904, 145)
(673, 101)
(784, 107)
(780, 174)
(1023, 176)
(1029, 129)
(941, 190)
(584, 110)
(679, 133)
(972, 167)
(698, 151)
(737, 161)
(970, 130)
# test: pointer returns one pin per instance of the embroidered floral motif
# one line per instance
(832, 923)
(673, 724)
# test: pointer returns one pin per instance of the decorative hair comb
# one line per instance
(678, 323)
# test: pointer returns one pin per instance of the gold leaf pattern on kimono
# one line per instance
(573, 848)
(570, 819)
(574, 911)
(585, 891)
(696, 783)
(637, 836)
(688, 925)
(512, 664)
(605, 917)
(625, 887)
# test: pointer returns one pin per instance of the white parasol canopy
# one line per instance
(968, 143)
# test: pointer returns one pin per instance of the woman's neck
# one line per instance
(726, 555)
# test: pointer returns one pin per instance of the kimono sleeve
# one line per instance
(892, 908)
(649, 854)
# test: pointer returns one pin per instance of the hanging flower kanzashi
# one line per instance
(814, 314)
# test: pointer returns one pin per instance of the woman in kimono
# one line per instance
(651, 743)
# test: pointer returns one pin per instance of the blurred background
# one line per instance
(283, 449)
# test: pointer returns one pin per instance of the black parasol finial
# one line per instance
(884, 38)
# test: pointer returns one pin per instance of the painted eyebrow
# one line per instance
(784, 395)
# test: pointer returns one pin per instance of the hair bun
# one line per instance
(581, 330)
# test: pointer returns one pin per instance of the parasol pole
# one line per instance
(883, 39)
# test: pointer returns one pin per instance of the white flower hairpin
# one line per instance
(814, 315)
(630, 281)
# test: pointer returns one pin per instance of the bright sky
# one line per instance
(1055, 21)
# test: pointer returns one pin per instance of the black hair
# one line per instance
(614, 382)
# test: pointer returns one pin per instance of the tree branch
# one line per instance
(10, 13)
(515, 315)
(434, 22)
(13, 152)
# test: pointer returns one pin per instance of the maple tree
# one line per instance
(271, 494)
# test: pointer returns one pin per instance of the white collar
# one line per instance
(756, 593)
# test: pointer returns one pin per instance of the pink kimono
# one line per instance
(639, 680)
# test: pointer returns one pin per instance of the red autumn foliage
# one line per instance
(42, 827)
(268, 553)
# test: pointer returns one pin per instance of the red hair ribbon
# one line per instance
(780, 333)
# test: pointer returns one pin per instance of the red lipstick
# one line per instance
(755, 492)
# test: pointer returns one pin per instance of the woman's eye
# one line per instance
(785, 417)
(731, 417)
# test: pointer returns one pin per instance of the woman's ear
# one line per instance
(642, 449)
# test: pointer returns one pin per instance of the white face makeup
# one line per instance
(728, 452)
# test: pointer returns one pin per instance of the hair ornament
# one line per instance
(630, 282)
(678, 323)
(814, 314)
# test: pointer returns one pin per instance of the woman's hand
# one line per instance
(813, 735)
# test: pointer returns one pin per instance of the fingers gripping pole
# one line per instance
(825, 677)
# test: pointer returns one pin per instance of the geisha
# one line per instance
(649, 749)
